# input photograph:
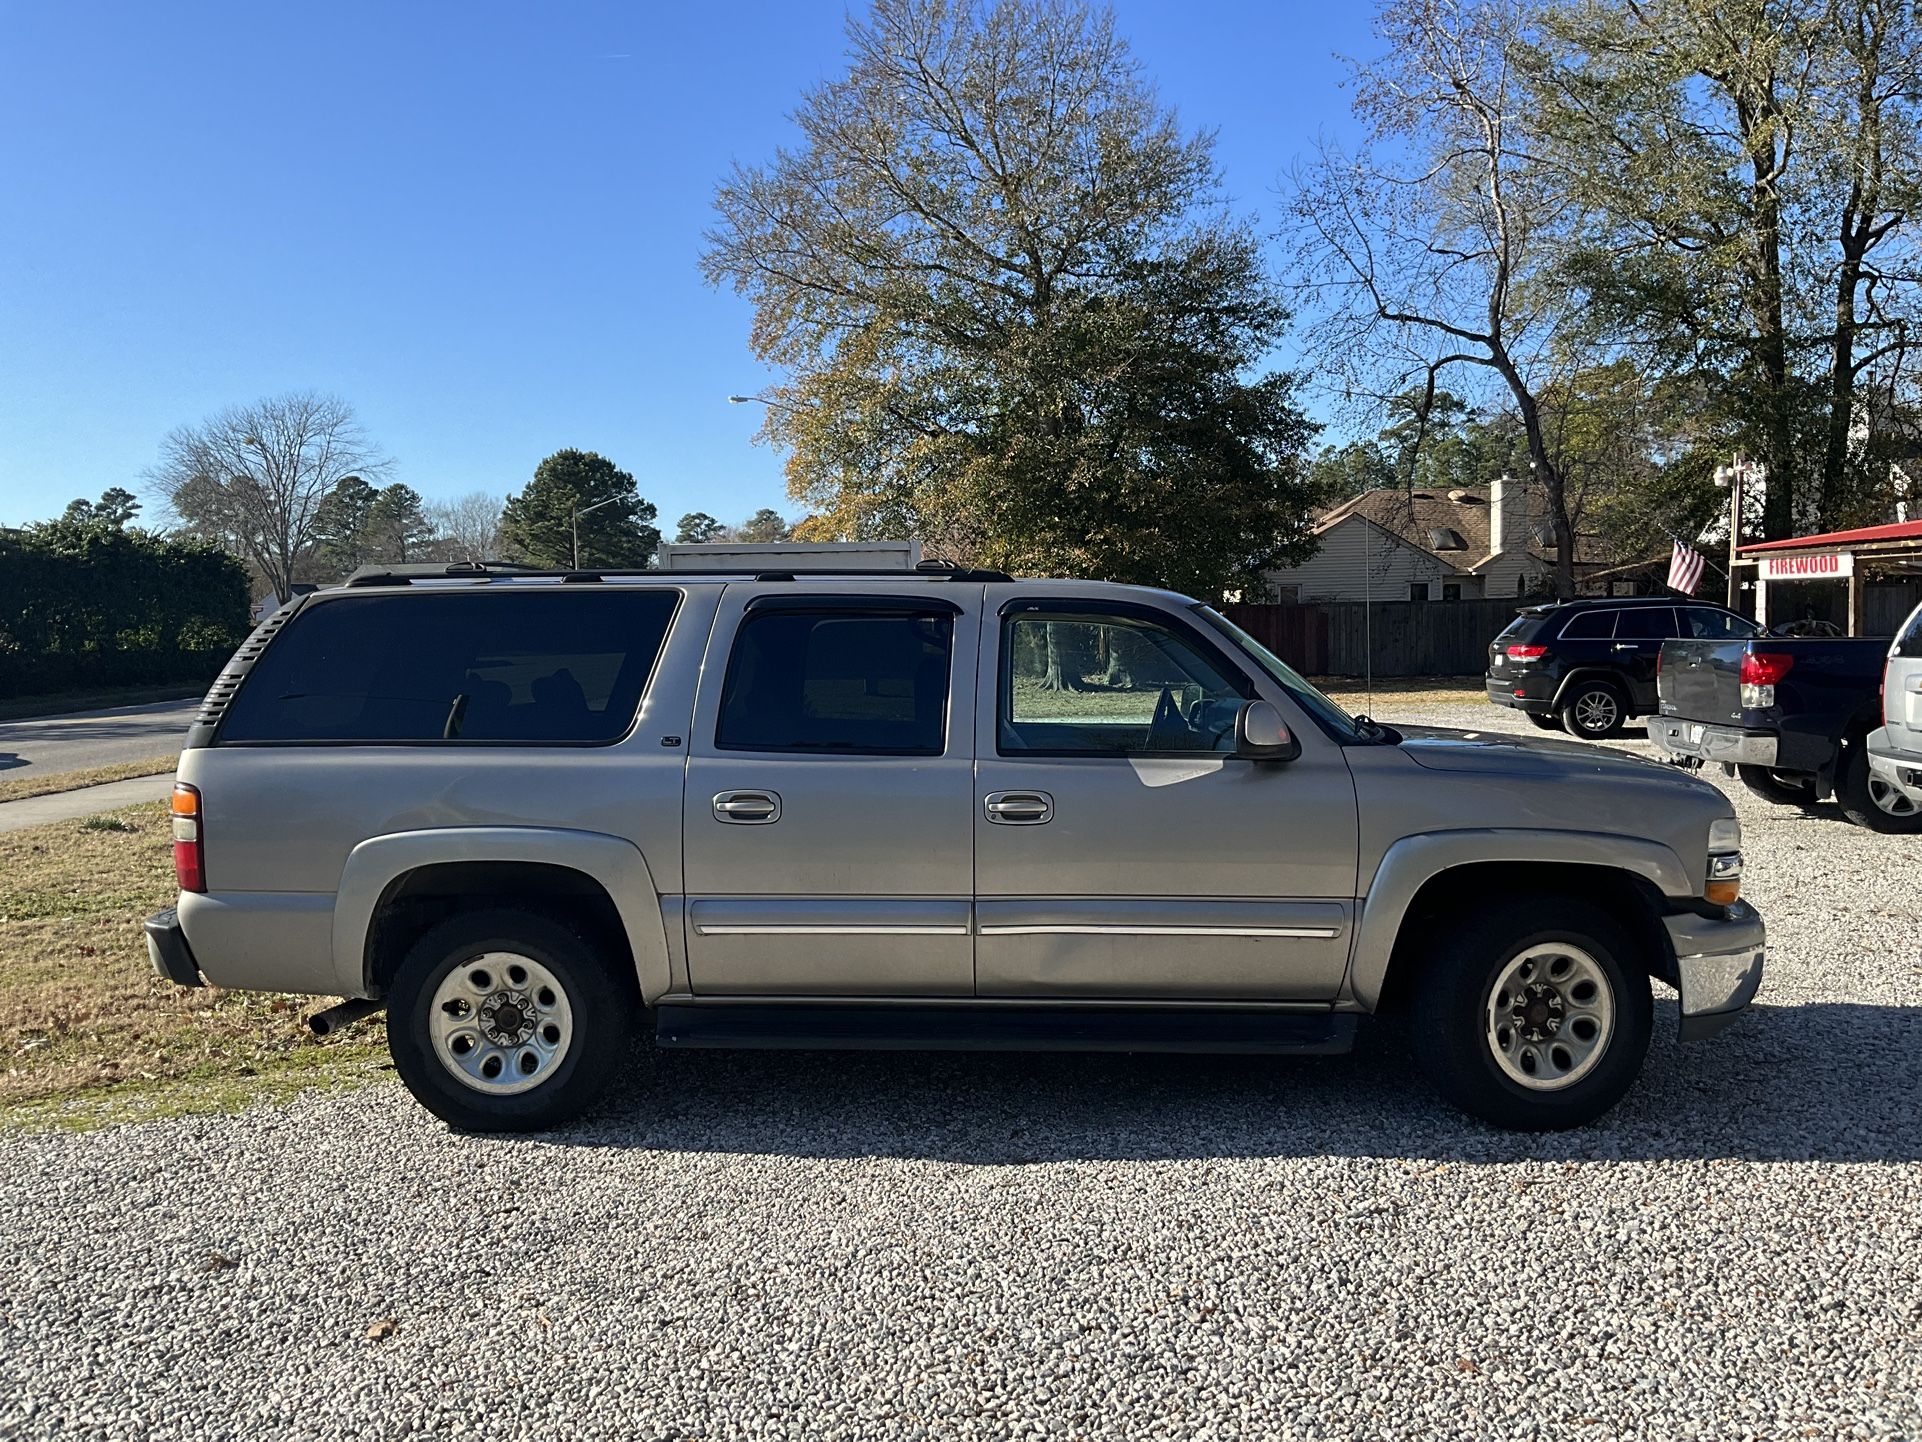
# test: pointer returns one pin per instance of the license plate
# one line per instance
(1695, 735)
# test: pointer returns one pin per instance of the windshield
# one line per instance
(1333, 719)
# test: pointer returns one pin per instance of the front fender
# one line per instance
(617, 865)
(1412, 862)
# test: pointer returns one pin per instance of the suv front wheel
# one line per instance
(506, 1021)
(1594, 710)
(1529, 1017)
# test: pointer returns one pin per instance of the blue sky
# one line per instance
(478, 223)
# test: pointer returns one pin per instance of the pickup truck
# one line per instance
(1790, 716)
(527, 813)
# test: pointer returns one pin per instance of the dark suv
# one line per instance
(1589, 666)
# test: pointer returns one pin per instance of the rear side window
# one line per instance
(1703, 624)
(1908, 644)
(1590, 626)
(555, 666)
(1647, 623)
(842, 682)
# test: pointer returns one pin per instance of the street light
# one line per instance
(578, 513)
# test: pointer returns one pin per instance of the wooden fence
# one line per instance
(1450, 638)
(1406, 638)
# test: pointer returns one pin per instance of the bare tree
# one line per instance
(1423, 253)
(255, 477)
(466, 528)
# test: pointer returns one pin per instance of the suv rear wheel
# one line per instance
(1594, 710)
(506, 1021)
(1529, 1017)
(1868, 800)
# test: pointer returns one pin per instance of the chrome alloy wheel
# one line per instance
(1597, 710)
(1550, 1015)
(501, 1023)
(1888, 799)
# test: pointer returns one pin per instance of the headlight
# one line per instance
(1724, 862)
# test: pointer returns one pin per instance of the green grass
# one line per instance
(89, 1035)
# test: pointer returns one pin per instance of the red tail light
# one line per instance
(190, 861)
(1765, 668)
(1527, 653)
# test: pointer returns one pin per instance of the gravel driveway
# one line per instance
(767, 1245)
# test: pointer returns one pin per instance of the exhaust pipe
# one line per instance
(326, 1023)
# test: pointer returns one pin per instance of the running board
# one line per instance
(963, 1027)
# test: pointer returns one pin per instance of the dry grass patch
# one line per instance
(22, 787)
(81, 1013)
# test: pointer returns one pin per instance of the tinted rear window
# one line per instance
(1707, 625)
(839, 682)
(1647, 623)
(1590, 626)
(554, 666)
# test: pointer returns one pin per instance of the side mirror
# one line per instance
(1261, 734)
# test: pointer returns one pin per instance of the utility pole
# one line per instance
(1731, 478)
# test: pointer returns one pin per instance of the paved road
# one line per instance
(92, 738)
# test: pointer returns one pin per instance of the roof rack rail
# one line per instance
(408, 572)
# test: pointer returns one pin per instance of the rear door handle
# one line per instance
(1624, 645)
(748, 808)
(1019, 808)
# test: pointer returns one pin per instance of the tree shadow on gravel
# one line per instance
(1828, 1082)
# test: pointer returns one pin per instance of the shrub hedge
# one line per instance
(87, 605)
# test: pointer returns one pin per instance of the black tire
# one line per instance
(1866, 799)
(599, 1018)
(1784, 788)
(1546, 723)
(1594, 710)
(1450, 1031)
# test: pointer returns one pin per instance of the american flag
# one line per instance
(1685, 569)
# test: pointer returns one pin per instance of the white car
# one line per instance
(1895, 748)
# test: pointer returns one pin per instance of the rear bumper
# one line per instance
(1718, 966)
(1702, 742)
(1502, 693)
(1901, 769)
(173, 960)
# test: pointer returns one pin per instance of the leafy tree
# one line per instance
(539, 522)
(254, 478)
(1344, 471)
(696, 528)
(764, 526)
(114, 510)
(1016, 319)
(1745, 175)
(397, 527)
(341, 538)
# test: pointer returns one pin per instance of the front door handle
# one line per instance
(748, 808)
(1019, 808)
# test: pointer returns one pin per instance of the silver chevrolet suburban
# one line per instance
(934, 809)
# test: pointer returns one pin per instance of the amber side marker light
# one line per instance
(190, 861)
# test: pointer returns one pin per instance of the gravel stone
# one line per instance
(766, 1245)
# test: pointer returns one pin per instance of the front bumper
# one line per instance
(1702, 742)
(1901, 769)
(173, 960)
(1718, 966)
